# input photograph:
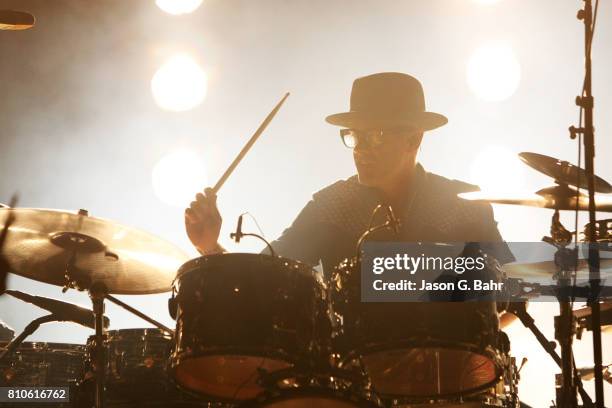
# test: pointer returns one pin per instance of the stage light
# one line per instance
(177, 7)
(497, 169)
(493, 73)
(178, 176)
(179, 84)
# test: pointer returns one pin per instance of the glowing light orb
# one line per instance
(178, 176)
(497, 169)
(493, 73)
(177, 7)
(179, 84)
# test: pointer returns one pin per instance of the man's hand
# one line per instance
(203, 223)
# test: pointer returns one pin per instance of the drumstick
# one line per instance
(249, 144)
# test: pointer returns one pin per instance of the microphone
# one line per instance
(65, 312)
(238, 234)
(16, 20)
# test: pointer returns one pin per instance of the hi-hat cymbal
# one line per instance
(563, 172)
(558, 197)
(40, 244)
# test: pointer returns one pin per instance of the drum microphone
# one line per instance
(238, 234)
(65, 312)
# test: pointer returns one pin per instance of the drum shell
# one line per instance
(444, 331)
(250, 305)
(40, 364)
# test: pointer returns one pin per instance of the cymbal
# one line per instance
(16, 20)
(546, 269)
(559, 197)
(563, 172)
(41, 242)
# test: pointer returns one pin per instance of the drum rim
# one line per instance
(176, 357)
(488, 351)
(197, 263)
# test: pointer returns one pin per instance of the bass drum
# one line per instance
(416, 352)
(327, 389)
(240, 316)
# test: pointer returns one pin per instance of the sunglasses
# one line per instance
(372, 138)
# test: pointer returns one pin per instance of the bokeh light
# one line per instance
(178, 7)
(178, 176)
(180, 84)
(497, 169)
(493, 72)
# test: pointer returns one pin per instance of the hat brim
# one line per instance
(363, 120)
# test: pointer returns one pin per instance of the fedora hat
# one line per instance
(387, 100)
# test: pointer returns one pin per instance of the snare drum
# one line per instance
(240, 316)
(416, 352)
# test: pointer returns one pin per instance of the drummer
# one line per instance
(384, 129)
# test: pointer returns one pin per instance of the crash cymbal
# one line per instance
(40, 244)
(563, 172)
(559, 197)
(546, 269)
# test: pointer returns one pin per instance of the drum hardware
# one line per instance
(305, 387)
(588, 373)
(584, 317)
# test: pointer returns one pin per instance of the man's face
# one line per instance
(383, 157)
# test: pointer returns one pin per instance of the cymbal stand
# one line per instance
(97, 293)
(519, 309)
(585, 102)
(565, 259)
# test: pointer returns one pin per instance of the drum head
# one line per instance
(429, 372)
(230, 377)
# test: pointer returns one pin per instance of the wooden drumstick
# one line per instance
(249, 144)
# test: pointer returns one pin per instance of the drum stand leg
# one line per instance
(97, 294)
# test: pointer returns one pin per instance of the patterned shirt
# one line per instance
(327, 229)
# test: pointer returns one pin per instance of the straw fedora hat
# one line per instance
(387, 100)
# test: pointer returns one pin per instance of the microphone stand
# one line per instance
(585, 102)
(29, 329)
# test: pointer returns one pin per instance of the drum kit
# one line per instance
(255, 330)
